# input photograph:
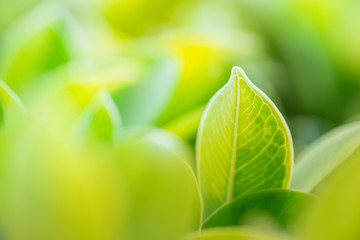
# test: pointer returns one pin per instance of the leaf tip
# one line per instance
(236, 70)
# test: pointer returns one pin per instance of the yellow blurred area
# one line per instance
(54, 190)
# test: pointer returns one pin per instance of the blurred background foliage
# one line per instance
(118, 70)
(173, 56)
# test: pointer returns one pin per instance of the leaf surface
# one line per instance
(101, 119)
(337, 213)
(243, 144)
(142, 102)
(76, 191)
(8, 95)
(235, 233)
(10, 103)
(51, 41)
(279, 205)
(163, 192)
(324, 156)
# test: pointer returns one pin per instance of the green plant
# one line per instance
(82, 174)
(111, 127)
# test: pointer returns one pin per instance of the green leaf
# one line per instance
(337, 213)
(52, 40)
(101, 119)
(64, 192)
(236, 233)
(142, 102)
(83, 80)
(163, 192)
(243, 144)
(2, 114)
(8, 95)
(279, 205)
(9, 103)
(324, 156)
(10, 11)
(120, 15)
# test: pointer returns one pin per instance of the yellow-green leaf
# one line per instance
(243, 144)
(236, 233)
(324, 156)
(337, 213)
(280, 206)
(8, 95)
(101, 119)
(51, 41)
(9, 102)
(141, 103)
(163, 192)
(58, 189)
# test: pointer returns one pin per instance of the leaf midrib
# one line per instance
(230, 188)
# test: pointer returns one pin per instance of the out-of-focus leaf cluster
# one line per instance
(304, 54)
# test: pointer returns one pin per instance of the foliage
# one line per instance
(118, 120)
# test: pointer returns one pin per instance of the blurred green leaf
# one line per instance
(2, 114)
(325, 156)
(236, 233)
(9, 102)
(243, 144)
(121, 13)
(281, 206)
(9, 11)
(69, 90)
(58, 189)
(164, 196)
(337, 213)
(8, 95)
(142, 102)
(83, 80)
(101, 119)
(52, 40)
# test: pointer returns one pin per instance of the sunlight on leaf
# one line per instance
(243, 144)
